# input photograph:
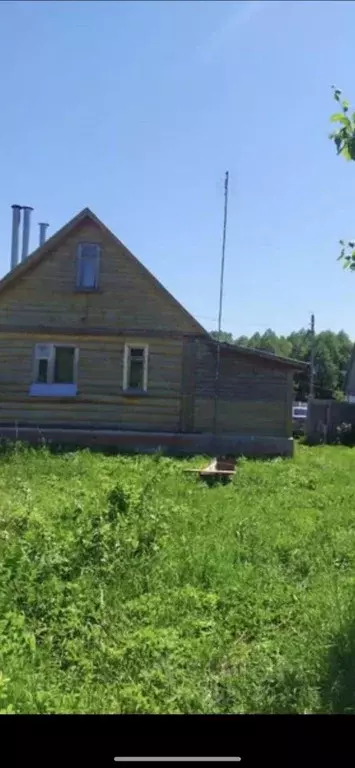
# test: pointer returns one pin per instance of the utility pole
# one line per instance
(221, 286)
(311, 381)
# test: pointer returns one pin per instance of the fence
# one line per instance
(325, 416)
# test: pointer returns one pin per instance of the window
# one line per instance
(64, 365)
(135, 368)
(55, 370)
(88, 266)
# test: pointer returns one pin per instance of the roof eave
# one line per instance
(296, 365)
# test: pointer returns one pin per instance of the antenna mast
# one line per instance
(218, 355)
(223, 254)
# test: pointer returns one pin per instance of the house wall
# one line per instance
(128, 298)
(100, 400)
(254, 395)
(254, 398)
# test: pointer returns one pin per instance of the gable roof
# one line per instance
(37, 256)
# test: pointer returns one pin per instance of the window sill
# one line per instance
(53, 390)
(135, 393)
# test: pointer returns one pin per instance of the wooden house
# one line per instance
(94, 350)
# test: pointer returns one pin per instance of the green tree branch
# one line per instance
(344, 140)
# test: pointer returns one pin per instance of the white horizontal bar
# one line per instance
(177, 759)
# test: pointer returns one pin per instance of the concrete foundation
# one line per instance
(172, 444)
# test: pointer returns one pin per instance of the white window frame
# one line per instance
(79, 257)
(52, 388)
(126, 367)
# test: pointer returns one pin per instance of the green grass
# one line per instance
(129, 586)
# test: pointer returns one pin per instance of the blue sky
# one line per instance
(137, 109)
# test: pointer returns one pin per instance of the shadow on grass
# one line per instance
(319, 444)
(9, 447)
(338, 687)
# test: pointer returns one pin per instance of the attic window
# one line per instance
(88, 257)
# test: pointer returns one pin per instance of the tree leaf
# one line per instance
(338, 117)
(345, 152)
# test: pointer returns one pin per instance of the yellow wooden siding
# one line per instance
(127, 297)
(241, 417)
(100, 399)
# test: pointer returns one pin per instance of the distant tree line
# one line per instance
(332, 353)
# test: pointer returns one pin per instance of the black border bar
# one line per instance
(95, 740)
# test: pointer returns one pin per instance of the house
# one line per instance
(95, 351)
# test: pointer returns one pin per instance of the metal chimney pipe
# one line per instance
(42, 231)
(16, 220)
(26, 231)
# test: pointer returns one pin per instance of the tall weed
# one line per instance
(126, 585)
